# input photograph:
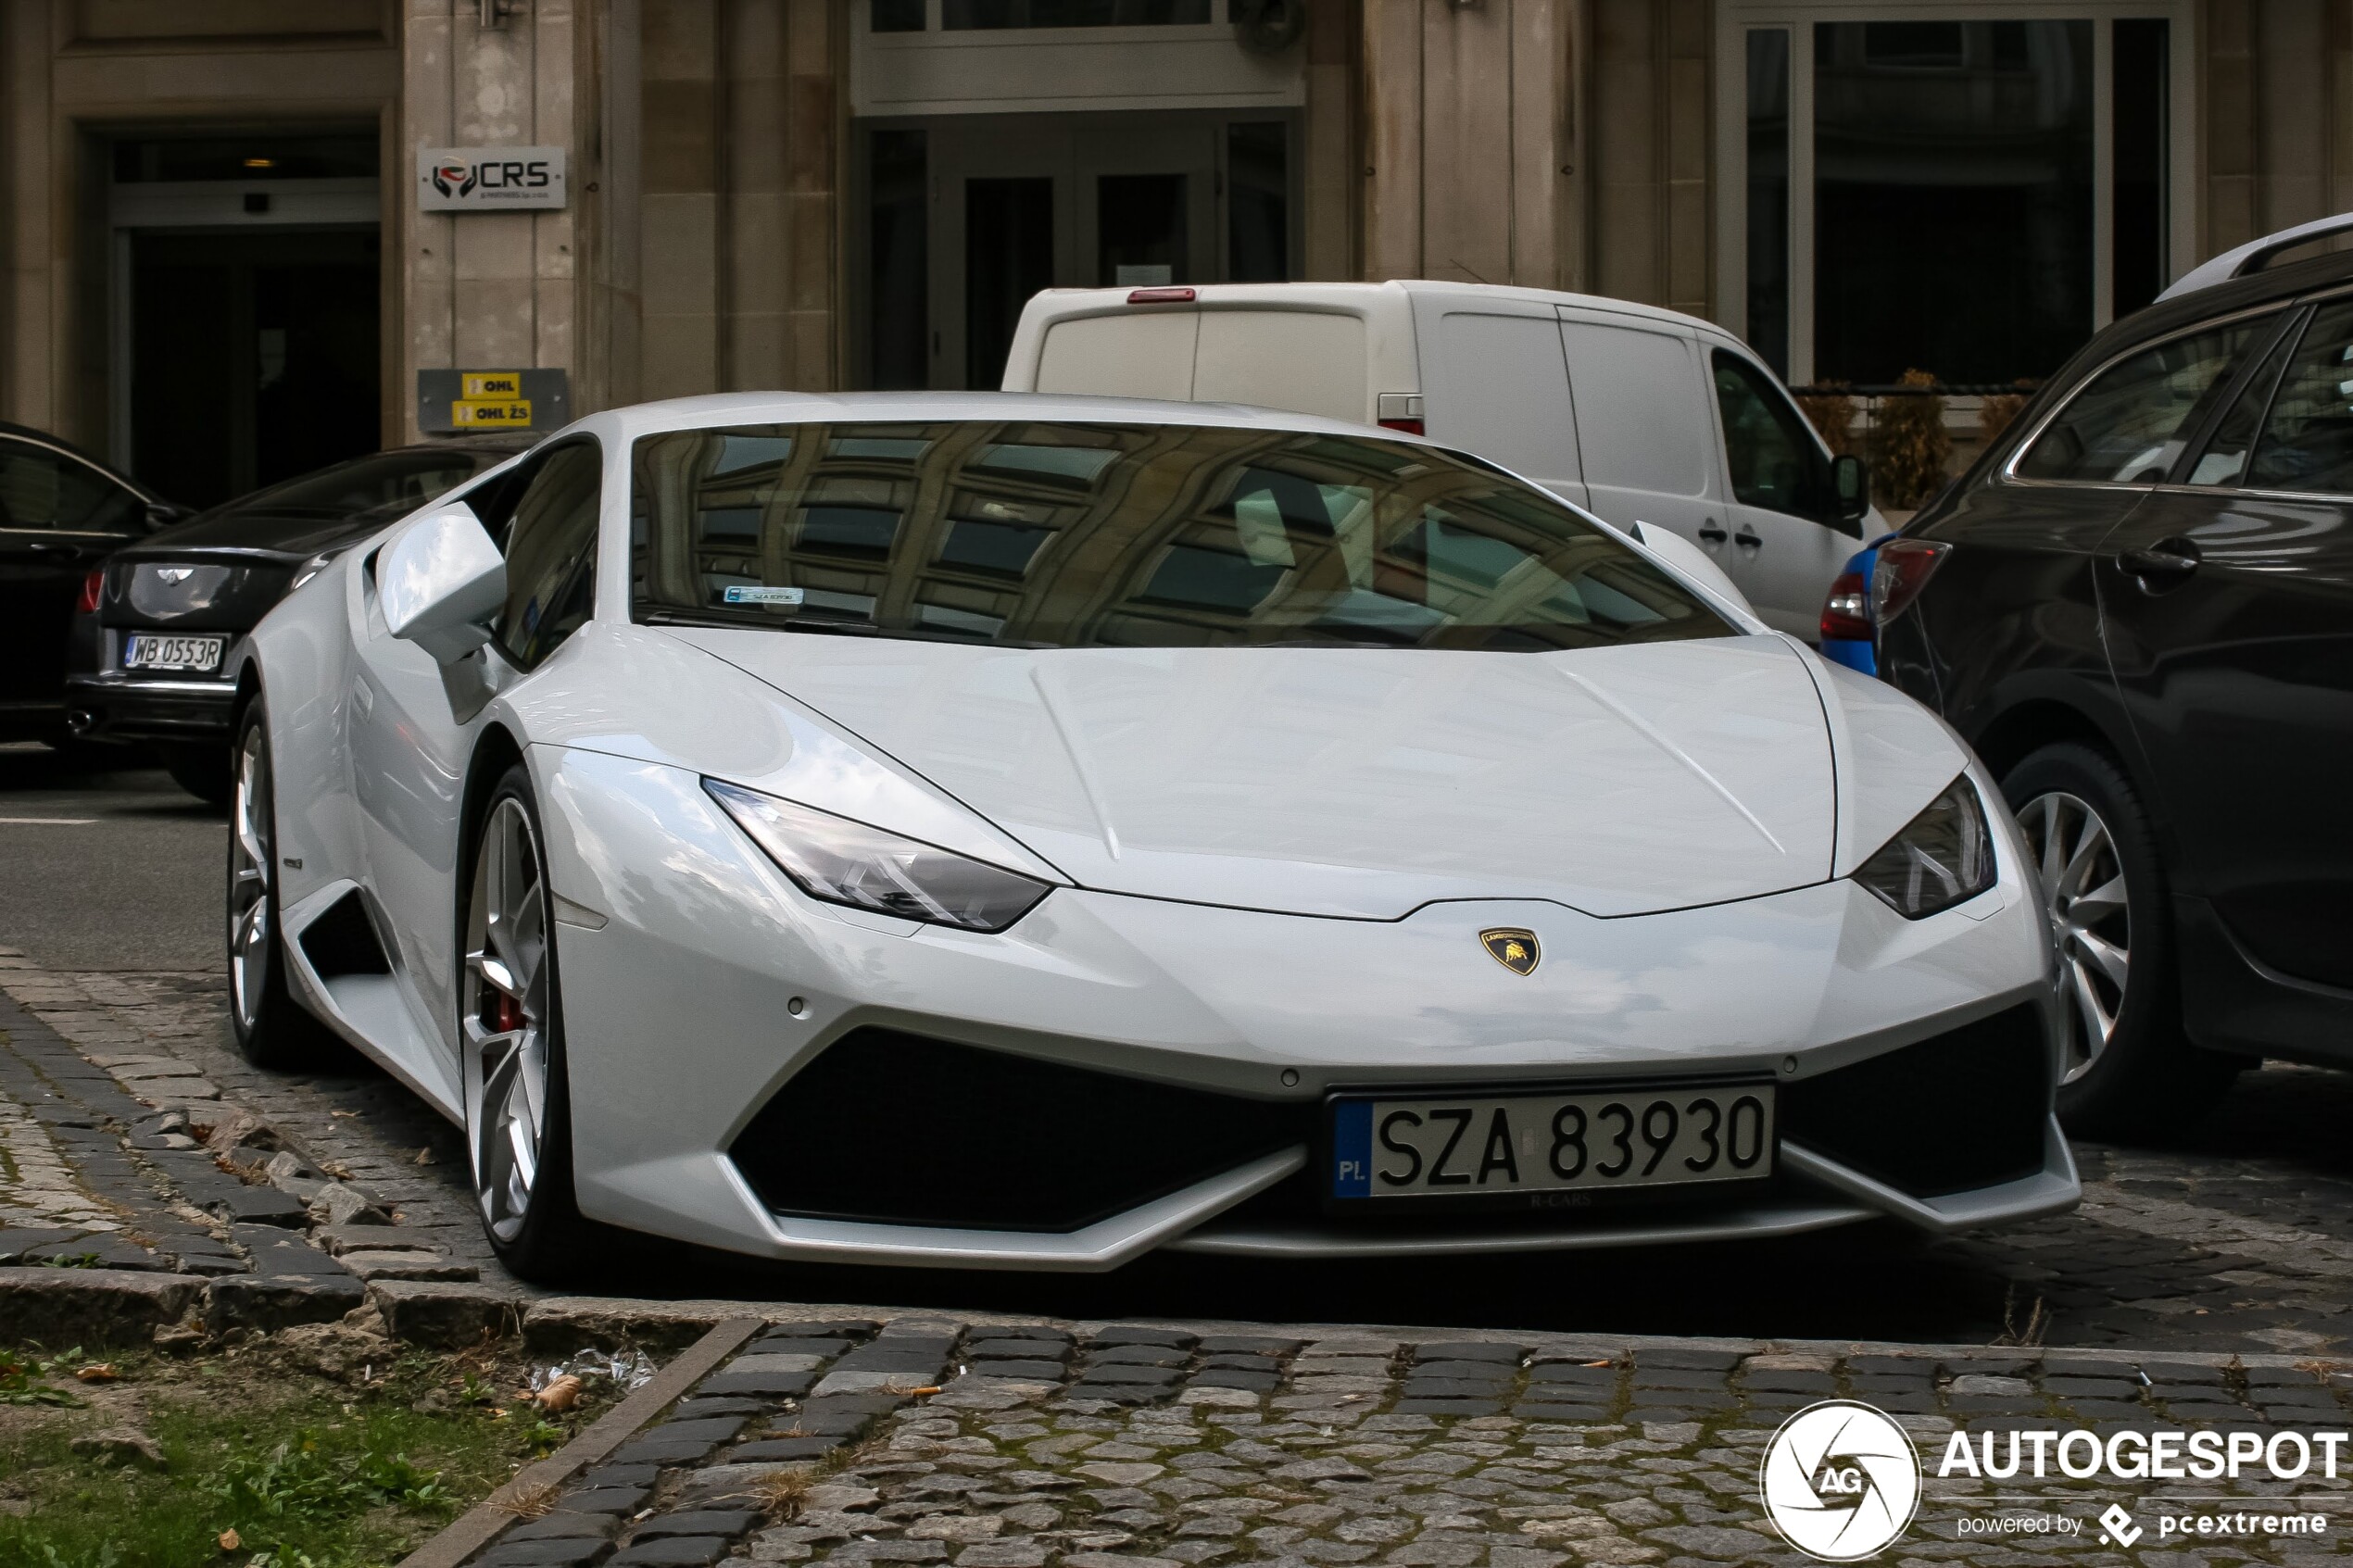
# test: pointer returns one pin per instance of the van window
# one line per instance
(1302, 362)
(1498, 386)
(1639, 411)
(1769, 453)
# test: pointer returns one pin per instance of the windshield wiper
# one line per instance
(718, 621)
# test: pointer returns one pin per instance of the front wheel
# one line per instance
(518, 1101)
(2126, 1067)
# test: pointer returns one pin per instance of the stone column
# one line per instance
(499, 289)
(1472, 144)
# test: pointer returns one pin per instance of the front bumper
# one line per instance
(699, 985)
(119, 706)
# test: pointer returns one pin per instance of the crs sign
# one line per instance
(489, 178)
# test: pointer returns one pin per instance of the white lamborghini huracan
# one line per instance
(1025, 832)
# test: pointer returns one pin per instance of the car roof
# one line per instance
(61, 444)
(798, 407)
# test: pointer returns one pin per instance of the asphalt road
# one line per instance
(106, 868)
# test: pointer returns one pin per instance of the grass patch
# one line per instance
(267, 1463)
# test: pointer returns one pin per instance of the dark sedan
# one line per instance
(2138, 608)
(61, 512)
(161, 616)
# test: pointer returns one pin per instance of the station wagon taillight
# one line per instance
(1901, 573)
(90, 587)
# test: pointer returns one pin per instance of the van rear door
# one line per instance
(1494, 383)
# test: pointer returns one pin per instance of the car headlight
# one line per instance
(1943, 857)
(839, 861)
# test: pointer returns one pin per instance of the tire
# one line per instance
(511, 1026)
(205, 771)
(273, 1030)
(2127, 1069)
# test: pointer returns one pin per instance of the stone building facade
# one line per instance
(214, 242)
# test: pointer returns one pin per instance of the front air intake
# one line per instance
(900, 1129)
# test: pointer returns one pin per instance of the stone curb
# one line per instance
(571, 1322)
(93, 1306)
(473, 1530)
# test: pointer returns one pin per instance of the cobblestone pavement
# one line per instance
(1014, 1445)
(2240, 1241)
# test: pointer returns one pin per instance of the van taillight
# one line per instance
(1411, 427)
(1847, 612)
(1900, 574)
(91, 587)
(1159, 296)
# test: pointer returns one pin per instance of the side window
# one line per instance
(2129, 423)
(551, 554)
(2307, 437)
(1769, 453)
(44, 489)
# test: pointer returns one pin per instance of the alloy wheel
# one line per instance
(2082, 885)
(252, 923)
(506, 1018)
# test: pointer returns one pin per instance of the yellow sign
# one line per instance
(492, 383)
(475, 411)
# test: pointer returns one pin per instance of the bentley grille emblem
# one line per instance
(173, 576)
(1513, 948)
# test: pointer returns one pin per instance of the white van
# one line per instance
(1641, 415)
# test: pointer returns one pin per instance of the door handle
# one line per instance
(1749, 537)
(1713, 532)
(2168, 560)
(50, 547)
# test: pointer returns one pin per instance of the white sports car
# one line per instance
(1025, 832)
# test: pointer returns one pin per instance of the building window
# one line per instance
(1971, 194)
(959, 15)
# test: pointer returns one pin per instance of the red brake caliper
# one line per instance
(506, 1013)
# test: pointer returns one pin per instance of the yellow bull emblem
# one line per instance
(1513, 947)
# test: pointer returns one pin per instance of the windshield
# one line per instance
(1116, 535)
(366, 483)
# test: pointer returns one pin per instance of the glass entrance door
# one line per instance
(1011, 204)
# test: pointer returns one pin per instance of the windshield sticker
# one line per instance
(741, 595)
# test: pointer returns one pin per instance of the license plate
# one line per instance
(1551, 1143)
(146, 651)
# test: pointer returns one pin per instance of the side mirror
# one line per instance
(441, 581)
(160, 515)
(1851, 485)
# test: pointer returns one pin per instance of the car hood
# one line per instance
(1361, 782)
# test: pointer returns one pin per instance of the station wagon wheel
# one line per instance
(2084, 900)
(518, 1128)
(2126, 1068)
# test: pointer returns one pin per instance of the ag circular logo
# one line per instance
(1840, 1480)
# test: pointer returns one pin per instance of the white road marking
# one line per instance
(47, 821)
